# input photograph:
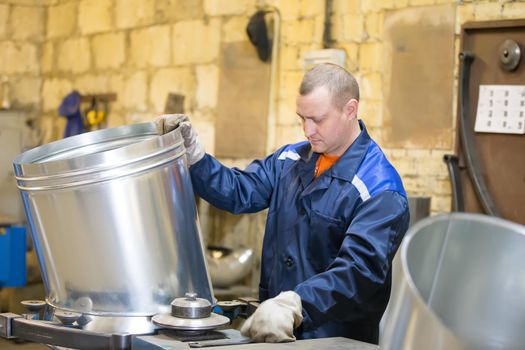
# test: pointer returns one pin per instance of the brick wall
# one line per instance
(21, 35)
(358, 29)
(143, 49)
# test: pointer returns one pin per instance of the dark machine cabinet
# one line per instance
(491, 165)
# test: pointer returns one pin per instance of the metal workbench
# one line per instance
(157, 342)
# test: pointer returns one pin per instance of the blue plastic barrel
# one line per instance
(13, 256)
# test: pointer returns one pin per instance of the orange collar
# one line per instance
(323, 163)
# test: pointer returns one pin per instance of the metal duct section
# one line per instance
(459, 286)
(114, 222)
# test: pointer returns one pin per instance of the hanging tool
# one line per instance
(97, 112)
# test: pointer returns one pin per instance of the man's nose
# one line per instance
(309, 128)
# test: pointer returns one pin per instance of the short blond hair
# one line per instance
(342, 85)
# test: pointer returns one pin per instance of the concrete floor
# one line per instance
(11, 345)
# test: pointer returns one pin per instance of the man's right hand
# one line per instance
(169, 122)
(275, 319)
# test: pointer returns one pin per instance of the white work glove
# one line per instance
(275, 319)
(168, 122)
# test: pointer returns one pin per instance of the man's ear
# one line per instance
(350, 108)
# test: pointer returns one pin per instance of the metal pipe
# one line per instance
(452, 162)
(467, 138)
(327, 28)
(226, 270)
(274, 77)
(457, 285)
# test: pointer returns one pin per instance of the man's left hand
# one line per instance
(275, 319)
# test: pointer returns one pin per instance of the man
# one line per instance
(337, 214)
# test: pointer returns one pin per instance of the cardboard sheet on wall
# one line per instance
(242, 110)
(418, 77)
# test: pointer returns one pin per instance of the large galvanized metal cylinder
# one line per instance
(460, 284)
(114, 222)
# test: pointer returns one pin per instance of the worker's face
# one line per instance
(328, 129)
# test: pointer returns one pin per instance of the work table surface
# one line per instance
(165, 342)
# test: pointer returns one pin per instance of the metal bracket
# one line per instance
(6, 325)
(52, 333)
